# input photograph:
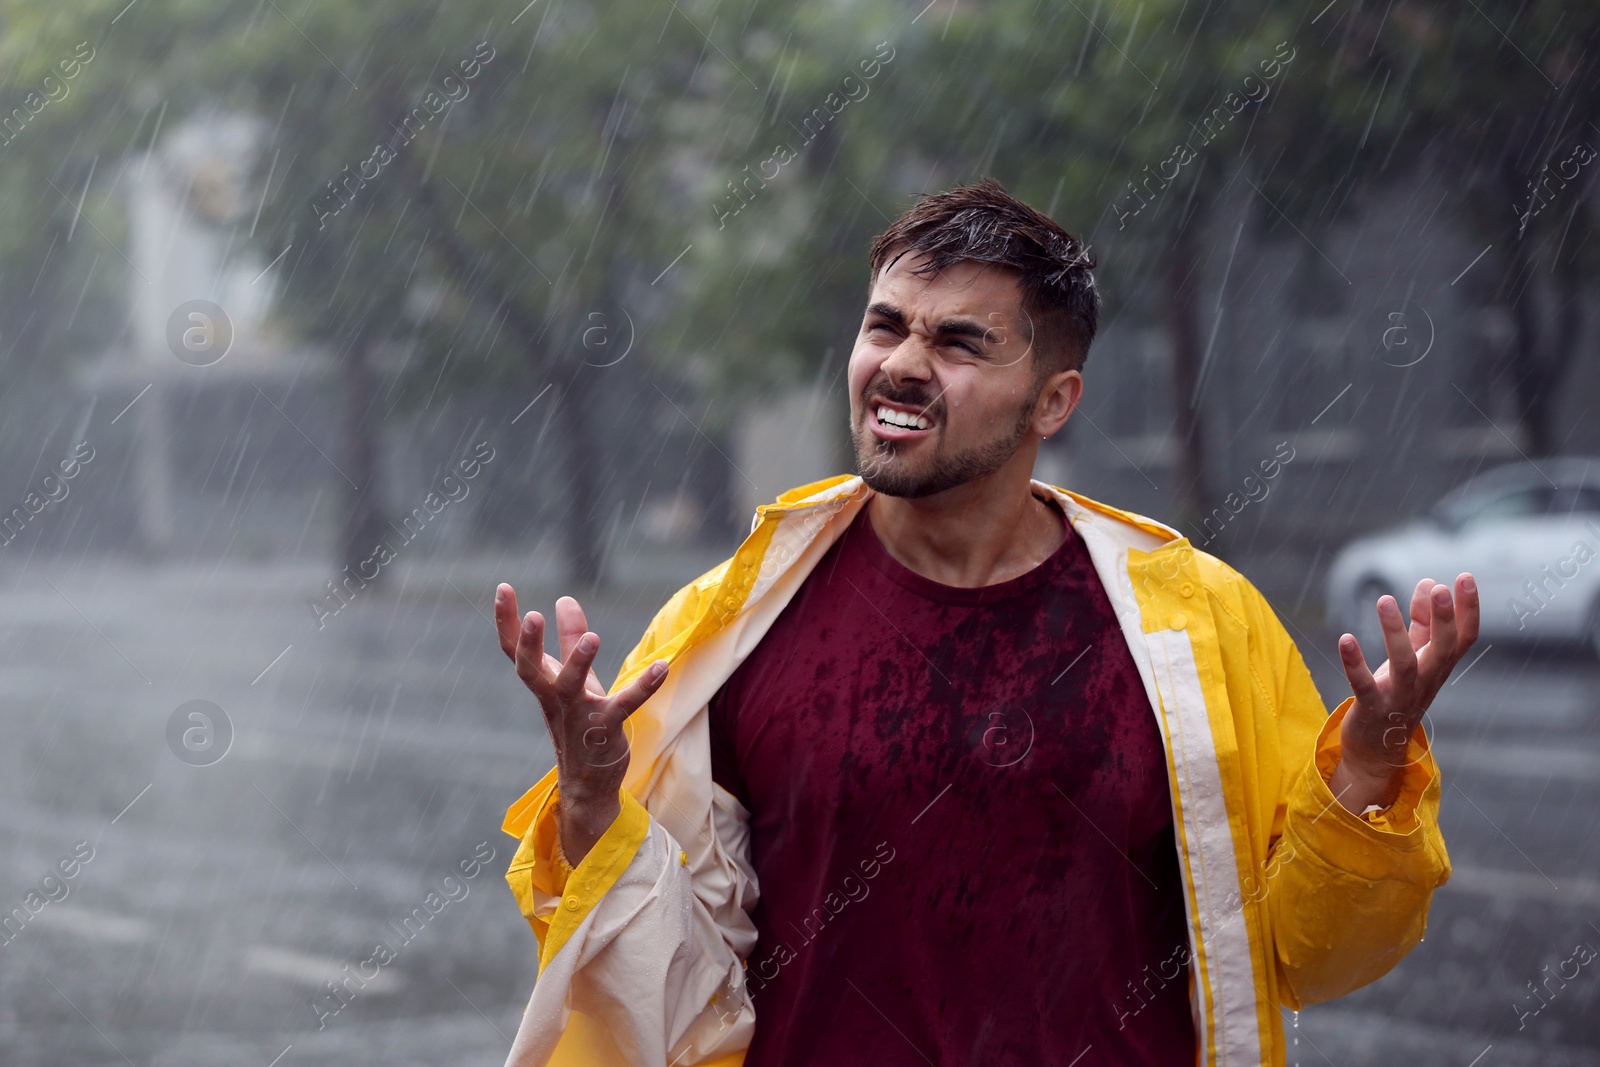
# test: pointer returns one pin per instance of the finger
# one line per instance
(1402, 657)
(570, 624)
(1434, 661)
(1422, 613)
(505, 619)
(1356, 672)
(1466, 612)
(569, 683)
(640, 689)
(532, 662)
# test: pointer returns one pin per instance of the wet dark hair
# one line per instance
(983, 223)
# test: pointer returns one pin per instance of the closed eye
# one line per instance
(970, 349)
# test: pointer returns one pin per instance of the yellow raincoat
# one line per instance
(1290, 898)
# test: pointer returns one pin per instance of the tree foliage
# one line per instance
(451, 191)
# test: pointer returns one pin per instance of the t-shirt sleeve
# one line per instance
(724, 754)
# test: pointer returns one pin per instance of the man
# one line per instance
(950, 766)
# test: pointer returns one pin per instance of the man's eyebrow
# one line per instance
(887, 311)
(947, 328)
(961, 328)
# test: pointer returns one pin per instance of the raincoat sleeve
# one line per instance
(642, 945)
(1349, 895)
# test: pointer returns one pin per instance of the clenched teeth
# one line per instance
(904, 420)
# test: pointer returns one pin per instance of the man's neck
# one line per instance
(982, 533)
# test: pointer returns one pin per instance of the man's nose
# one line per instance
(911, 360)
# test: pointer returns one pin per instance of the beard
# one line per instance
(889, 467)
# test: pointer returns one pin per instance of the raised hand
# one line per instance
(585, 723)
(1391, 701)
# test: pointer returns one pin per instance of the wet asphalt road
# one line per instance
(371, 762)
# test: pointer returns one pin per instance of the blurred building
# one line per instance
(199, 329)
(1375, 354)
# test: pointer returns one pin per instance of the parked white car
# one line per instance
(1530, 535)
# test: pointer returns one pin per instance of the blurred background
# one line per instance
(556, 294)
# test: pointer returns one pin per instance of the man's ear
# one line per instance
(1057, 401)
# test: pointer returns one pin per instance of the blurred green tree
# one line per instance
(455, 186)
(1071, 109)
(60, 272)
(1503, 97)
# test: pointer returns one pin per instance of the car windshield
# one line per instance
(1495, 504)
(1575, 500)
(1519, 502)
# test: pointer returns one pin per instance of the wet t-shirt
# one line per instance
(961, 824)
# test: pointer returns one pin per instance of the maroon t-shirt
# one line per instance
(961, 824)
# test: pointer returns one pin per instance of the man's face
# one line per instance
(946, 353)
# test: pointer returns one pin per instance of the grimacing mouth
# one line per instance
(900, 416)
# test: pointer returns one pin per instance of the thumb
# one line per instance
(642, 688)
